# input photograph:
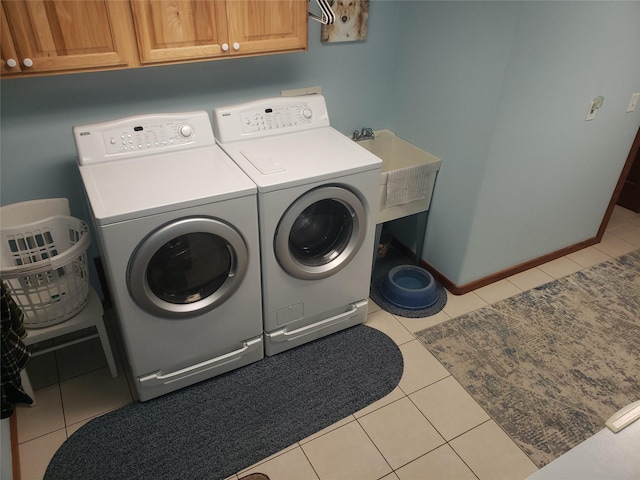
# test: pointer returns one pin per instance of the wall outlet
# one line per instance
(634, 101)
(594, 105)
(301, 91)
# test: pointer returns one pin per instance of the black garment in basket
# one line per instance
(14, 355)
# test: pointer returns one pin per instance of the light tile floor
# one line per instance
(428, 427)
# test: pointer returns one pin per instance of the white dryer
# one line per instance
(317, 201)
(178, 228)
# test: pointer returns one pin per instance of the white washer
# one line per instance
(317, 201)
(178, 228)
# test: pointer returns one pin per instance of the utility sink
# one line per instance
(397, 154)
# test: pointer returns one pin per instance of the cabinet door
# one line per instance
(260, 26)
(180, 30)
(57, 35)
(7, 49)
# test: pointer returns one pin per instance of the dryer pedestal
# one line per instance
(292, 336)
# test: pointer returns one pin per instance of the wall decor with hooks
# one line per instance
(326, 17)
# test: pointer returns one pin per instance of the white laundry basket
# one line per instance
(44, 267)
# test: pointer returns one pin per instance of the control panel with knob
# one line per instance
(266, 117)
(147, 136)
(143, 135)
(276, 117)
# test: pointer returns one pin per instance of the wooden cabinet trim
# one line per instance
(6, 46)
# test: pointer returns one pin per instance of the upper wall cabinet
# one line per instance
(40, 37)
(170, 31)
(44, 36)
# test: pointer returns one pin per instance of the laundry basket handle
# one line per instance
(53, 262)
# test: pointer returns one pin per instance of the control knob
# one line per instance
(307, 113)
(186, 131)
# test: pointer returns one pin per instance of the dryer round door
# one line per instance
(187, 267)
(320, 233)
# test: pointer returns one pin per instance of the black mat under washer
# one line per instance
(381, 269)
(218, 427)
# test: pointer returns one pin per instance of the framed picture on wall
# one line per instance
(350, 24)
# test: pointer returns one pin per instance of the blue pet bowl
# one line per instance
(410, 287)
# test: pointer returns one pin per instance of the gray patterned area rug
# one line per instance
(552, 364)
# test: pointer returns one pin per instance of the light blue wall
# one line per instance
(499, 91)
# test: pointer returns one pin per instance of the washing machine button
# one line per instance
(290, 314)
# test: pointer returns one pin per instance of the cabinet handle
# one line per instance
(27, 62)
(225, 47)
(11, 63)
(236, 46)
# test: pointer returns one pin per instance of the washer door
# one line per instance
(320, 233)
(187, 267)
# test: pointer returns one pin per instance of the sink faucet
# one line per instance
(364, 134)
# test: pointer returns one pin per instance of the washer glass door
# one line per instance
(320, 233)
(187, 267)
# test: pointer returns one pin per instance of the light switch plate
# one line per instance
(595, 104)
(634, 101)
